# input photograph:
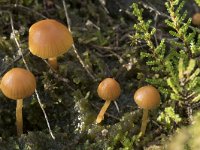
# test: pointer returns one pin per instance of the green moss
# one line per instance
(187, 138)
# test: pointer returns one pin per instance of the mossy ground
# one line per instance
(101, 36)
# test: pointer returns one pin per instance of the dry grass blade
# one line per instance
(74, 47)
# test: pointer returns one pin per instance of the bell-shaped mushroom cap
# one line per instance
(147, 97)
(18, 83)
(196, 19)
(49, 38)
(109, 89)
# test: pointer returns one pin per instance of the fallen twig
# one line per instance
(8, 66)
(153, 9)
(73, 46)
(21, 7)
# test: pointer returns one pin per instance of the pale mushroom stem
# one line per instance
(100, 116)
(53, 63)
(19, 118)
(144, 121)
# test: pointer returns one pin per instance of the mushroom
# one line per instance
(49, 39)
(109, 90)
(196, 19)
(18, 84)
(146, 97)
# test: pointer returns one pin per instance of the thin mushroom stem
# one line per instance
(53, 63)
(100, 116)
(0, 83)
(19, 118)
(144, 121)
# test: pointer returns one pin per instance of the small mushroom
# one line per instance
(18, 84)
(109, 90)
(196, 19)
(146, 97)
(49, 39)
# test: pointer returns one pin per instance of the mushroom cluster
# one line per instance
(146, 97)
(49, 39)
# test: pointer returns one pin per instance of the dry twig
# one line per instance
(8, 66)
(150, 7)
(73, 46)
(21, 7)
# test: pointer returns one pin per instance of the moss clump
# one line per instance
(187, 138)
(36, 141)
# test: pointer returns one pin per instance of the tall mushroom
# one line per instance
(18, 84)
(49, 39)
(109, 90)
(146, 97)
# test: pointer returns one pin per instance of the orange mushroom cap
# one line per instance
(18, 83)
(49, 38)
(147, 97)
(196, 19)
(109, 89)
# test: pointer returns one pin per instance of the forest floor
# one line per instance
(101, 30)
